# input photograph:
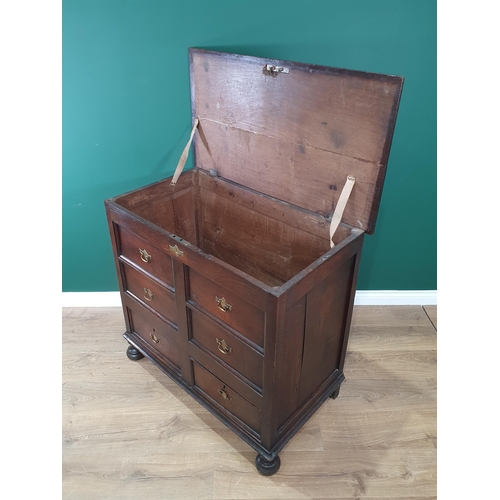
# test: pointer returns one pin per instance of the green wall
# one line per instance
(127, 116)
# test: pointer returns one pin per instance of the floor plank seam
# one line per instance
(427, 314)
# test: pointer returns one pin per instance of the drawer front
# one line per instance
(227, 347)
(150, 293)
(146, 256)
(228, 307)
(226, 397)
(158, 334)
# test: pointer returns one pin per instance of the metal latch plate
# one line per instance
(271, 69)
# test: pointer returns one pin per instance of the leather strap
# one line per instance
(339, 209)
(184, 155)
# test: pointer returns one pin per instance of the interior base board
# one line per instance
(363, 298)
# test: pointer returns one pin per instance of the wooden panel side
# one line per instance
(274, 208)
(175, 213)
(326, 315)
(274, 315)
(307, 279)
(114, 233)
(288, 360)
(273, 246)
(155, 190)
(303, 176)
(240, 263)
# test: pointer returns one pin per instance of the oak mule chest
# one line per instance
(229, 279)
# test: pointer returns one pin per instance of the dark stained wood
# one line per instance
(326, 313)
(267, 467)
(346, 116)
(226, 397)
(180, 272)
(289, 360)
(274, 323)
(160, 299)
(335, 393)
(255, 291)
(227, 374)
(154, 262)
(240, 356)
(250, 308)
(134, 354)
(260, 319)
(158, 334)
(244, 317)
(351, 292)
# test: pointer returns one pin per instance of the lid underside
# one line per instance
(295, 134)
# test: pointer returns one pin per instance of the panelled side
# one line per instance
(289, 348)
(312, 333)
(325, 328)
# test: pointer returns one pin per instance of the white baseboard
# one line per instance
(91, 299)
(363, 298)
(396, 298)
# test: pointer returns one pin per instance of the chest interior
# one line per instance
(274, 145)
(264, 237)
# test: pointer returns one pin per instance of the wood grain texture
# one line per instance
(273, 246)
(154, 262)
(130, 432)
(327, 122)
(324, 333)
(235, 353)
(249, 321)
(276, 209)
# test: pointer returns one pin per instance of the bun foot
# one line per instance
(266, 467)
(335, 393)
(134, 354)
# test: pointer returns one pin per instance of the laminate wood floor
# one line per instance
(129, 432)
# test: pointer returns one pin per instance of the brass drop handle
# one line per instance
(156, 340)
(225, 395)
(148, 294)
(145, 257)
(223, 305)
(223, 347)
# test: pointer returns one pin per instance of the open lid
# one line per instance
(295, 131)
